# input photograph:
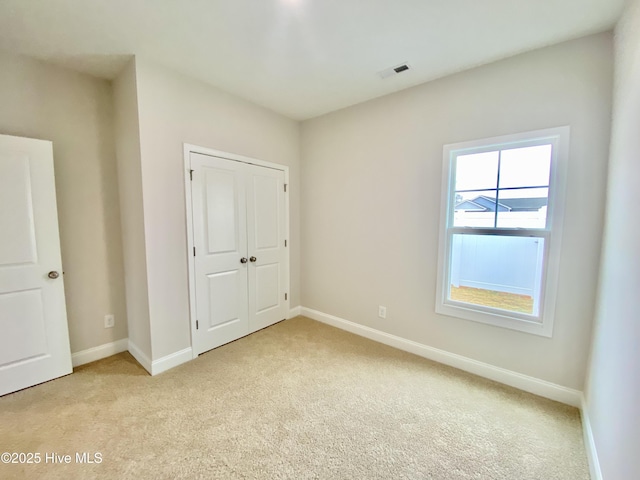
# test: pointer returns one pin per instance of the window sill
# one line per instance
(459, 310)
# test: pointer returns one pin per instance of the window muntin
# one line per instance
(498, 219)
(493, 188)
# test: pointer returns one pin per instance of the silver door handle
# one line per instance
(252, 259)
(243, 260)
(53, 275)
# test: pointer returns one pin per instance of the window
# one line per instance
(500, 229)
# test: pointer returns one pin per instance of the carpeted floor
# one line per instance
(299, 400)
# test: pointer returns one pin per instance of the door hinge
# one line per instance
(285, 187)
(191, 174)
(194, 251)
(285, 296)
(285, 243)
(197, 325)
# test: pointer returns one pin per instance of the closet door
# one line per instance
(266, 229)
(240, 258)
(220, 239)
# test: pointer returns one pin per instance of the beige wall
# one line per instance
(370, 189)
(613, 389)
(173, 110)
(371, 179)
(127, 134)
(75, 112)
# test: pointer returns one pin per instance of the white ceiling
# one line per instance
(301, 58)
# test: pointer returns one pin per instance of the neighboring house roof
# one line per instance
(484, 203)
(481, 204)
(525, 204)
(470, 206)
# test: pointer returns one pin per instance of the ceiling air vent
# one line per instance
(388, 72)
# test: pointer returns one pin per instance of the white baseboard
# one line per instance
(295, 311)
(172, 360)
(589, 443)
(139, 356)
(507, 377)
(99, 352)
(153, 367)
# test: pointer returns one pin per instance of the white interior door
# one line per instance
(240, 261)
(34, 338)
(220, 240)
(267, 252)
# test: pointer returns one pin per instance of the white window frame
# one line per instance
(542, 324)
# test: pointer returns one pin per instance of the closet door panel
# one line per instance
(220, 240)
(266, 235)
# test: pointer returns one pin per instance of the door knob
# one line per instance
(252, 259)
(53, 274)
(243, 260)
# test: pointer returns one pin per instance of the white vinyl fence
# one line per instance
(503, 264)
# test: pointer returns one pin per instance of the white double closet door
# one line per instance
(240, 258)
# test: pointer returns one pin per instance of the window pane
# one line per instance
(497, 271)
(477, 171)
(474, 209)
(525, 167)
(523, 208)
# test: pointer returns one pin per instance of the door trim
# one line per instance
(188, 149)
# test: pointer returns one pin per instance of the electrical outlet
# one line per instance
(109, 321)
(382, 311)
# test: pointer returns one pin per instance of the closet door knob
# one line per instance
(243, 260)
(252, 259)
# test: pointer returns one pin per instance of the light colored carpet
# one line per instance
(299, 400)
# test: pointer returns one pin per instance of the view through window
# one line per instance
(496, 190)
(497, 227)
